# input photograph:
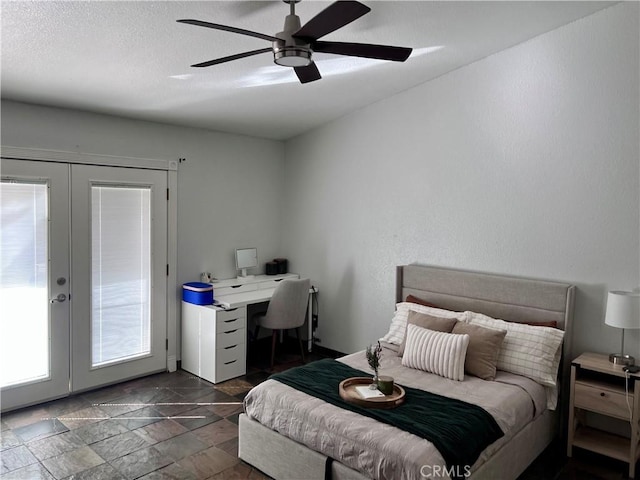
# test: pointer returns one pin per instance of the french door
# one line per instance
(34, 256)
(84, 254)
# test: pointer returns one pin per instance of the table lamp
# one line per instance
(623, 311)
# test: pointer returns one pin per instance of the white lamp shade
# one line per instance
(623, 309)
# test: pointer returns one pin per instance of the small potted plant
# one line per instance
(373, 357)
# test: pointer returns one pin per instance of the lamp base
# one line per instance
(620, 359)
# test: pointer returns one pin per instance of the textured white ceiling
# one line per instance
(132, 58)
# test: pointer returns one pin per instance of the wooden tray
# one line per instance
(349, 394)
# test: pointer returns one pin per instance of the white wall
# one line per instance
(524, 163)
(229, 188)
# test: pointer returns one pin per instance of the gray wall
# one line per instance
(524, 163)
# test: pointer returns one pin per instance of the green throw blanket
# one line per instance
(459, 430)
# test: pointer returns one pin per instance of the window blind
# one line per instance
(120, 273)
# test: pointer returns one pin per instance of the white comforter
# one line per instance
(379, 450)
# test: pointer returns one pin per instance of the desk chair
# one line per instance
(287, 309)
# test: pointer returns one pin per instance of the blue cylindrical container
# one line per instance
(198, 293)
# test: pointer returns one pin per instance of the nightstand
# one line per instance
(601, 387)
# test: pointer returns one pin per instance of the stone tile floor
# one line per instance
(177, 426)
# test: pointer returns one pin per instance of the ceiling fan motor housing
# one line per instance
(289, 51)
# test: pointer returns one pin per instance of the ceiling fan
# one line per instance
(295, 45)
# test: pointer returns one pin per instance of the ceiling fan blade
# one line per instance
(232, 57)
(367, 50)
(332, 18)
(227, 28)
(308, 74)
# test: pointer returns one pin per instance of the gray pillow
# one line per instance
(424, 320)
(483, 349)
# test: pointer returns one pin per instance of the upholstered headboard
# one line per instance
(505, 297)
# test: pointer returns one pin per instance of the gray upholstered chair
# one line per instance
(287, 309)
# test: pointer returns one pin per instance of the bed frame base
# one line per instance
(282, 458)
(265, 449)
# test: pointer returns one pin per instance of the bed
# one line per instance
(289, 434)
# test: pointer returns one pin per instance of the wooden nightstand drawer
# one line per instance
(602, 400)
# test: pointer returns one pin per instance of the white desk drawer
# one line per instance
(231, 324)
(227, 320)
(231, 352)
(230, 364)
(242, 287)
(226, 356)
(231, 314)
(269, 283)
(233, 337)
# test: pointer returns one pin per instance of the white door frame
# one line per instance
(171, 167)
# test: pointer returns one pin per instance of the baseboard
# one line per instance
(327, 352)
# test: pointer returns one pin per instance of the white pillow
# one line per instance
(527, 350)
(552, 397)
(399, 322)
(436, 352)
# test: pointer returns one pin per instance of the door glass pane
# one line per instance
(24, 306)
(120, 273)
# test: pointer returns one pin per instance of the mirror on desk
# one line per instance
(246, 258)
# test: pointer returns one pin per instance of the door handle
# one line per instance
(59, 299)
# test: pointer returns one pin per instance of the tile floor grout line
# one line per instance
(125, 418)
(163, 404)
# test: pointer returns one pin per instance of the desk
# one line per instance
(214, 336)
(242, 299)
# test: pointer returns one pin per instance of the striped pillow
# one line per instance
(435, 352)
